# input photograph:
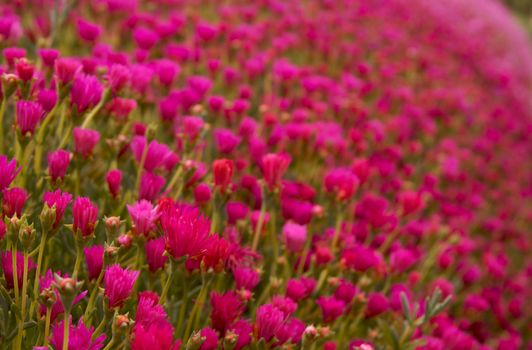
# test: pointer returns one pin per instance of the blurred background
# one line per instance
(523, 9)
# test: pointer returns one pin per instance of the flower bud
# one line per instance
(26, 234)
(195, 341)
(9, 84)
(112, 226)
(230, 340)
(68, 289)
(47, 217)
(48, 297)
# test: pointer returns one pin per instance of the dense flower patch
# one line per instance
(332, 174)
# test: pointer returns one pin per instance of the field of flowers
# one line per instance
(267, 174)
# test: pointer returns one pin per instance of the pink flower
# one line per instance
(79, 337)
(342, 183)
(24, 70)
(155, 256)
(243, 330)
(211, 339)
(85, 214)
(118, 284)
(85, 140)
(86, 92)
(223, 172)
(299, 289)
(47, 99)
(13, 200)
(48, 56)
(8, 172)
(236, 211)
(274, 167)
(58, 200)
(186, 231)
(291, 331)
(2, 230)
(377, 304)
(58, 162)
(156, 156)
(155, 337)
(225, 310)
(245, 277)
(149, 312)
(88, 31)
(202, 193)
(150, 186)
(295, 236)
(268, 321)
(6, 261)
(57, 309)
(331, 308)
(29, 114)
(144, 215)
(94, 260)
(118, 77)
(226, 140)
(66, 69)
(114, 179)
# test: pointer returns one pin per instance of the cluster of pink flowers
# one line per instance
(201, 175)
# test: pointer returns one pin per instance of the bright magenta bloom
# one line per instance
(118, 283)
(79, 337)
(29, 114)
(85, 140)
(274, 166)
(226, 309)
(8, 172)
(6, 262)
(58, 162)
(13, 200)
(94, 260)
(144, 215)
(268, 322)
(59, 200)
(85, 214)
(186, 231)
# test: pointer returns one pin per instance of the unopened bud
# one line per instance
(122, 323)
(47, 217)
(195, 341)
(68, 289)
(9, 84)
(112, 226)
(26, 234)
(48, 297)
(230, 340)
(125, 240)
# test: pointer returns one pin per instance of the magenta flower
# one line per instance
(66, 69)
(6, 261)
(342, 182)
(85, 214)
(377, 304)
(236, 211)
(118, 77)
(226, 140)
(223, 172)
(58, 200)
(268, 321)
(13, 200)
(186, 231)
(25, 70)
(155, 256)
(274, 167)
(79, 337)
(202, 193)
(155, 337)
(58, 162)
(299, 289)
(150, 186)
(2, 230)
(291, 331)
(118, 284)
(29, 114)
(114, 180)
(245, 277)
(331, 308)
(156, 156)
(149, 312)
(47, 99)
(85, 140)
(243, 330)
(57, 308)
(295, 236)
(48, 56)
(144, 216)
(94, 260)
(88, 31)
(8, 172)
(225, 310)
(86, 92)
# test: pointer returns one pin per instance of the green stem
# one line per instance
(194, 311)
(40, 138)
(107, 317)
(15, 272)
(23, 303)
(88, 310)
(42, 244)
(166, 287)
(258, 228)
(97, 108)
(183, 308)
(66, 329)
(79, 257)
(47, 326)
